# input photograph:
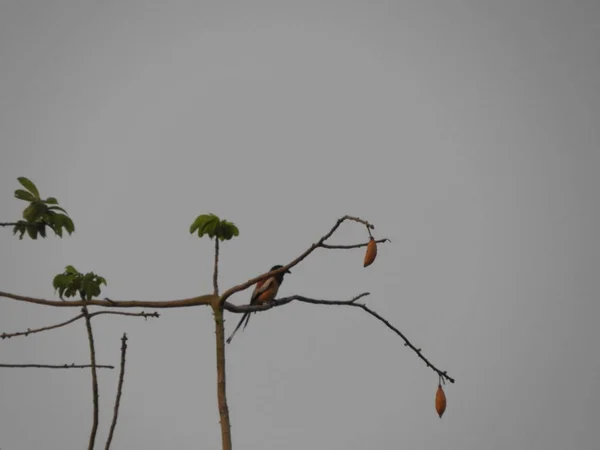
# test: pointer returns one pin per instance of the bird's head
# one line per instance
(280, 276)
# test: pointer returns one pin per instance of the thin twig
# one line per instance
(216, 268)
(56, 366)
(88, 325)
(352, 302)
(348, 247)
(119, 391)
(62, 324)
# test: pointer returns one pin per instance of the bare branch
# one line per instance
(216, 268)
(348, 247)
(352, 302)
(88, 325)
(8, 224)
(192, 301)
(313, 247)
(119, 391)
(56, 366)
(62, 324)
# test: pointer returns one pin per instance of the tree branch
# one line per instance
(243, 286)
(56, 366)
(119, 391)
(352, 302)
(88, 325)
(192, 301)
(348, 247)
(203, 299)
(216, 268)
(62, 324)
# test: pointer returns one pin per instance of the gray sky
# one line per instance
(466, 131)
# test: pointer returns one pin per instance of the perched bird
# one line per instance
(264, 292)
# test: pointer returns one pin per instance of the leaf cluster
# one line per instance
(212, 226)
(40, 214)
(72, 282)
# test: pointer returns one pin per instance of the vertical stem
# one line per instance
(88, 324)
(119, 392)
(216, 268)
(221, 385)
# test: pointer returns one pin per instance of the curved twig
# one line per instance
(352, 302)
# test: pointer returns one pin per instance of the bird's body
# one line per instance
(264, 292)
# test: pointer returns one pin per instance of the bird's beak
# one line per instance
(288, 271)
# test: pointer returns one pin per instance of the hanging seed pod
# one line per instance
(371, 252)
(440, 401)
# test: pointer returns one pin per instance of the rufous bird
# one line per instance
(264, 292)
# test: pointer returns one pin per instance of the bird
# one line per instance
(265, 291)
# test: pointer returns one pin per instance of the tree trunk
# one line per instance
(221, 385)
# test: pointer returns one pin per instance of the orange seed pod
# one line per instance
(371, 252)
(440, 401)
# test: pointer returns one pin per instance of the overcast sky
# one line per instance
(466, 131)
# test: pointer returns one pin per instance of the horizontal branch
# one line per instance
(348, 247)
(62, 324)
(242, 309)
(57, 366)
(193, 301)
(8, 224)
(352, 302)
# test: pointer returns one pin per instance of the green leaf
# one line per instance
(56, 208)
(68, 224)
(86, 289)
(71, 291)
(62, 281)
(27, 184)
(34, 211)
(30, 213)
(228, 230)
(71, 270)
(56, 222)
(20, 228)
(24, 195)
(212, 226)
(42, 230)
(51, 201)
(72, 282)
(32, 232)
(194, 226)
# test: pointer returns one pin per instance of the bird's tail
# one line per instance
(246, 319)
